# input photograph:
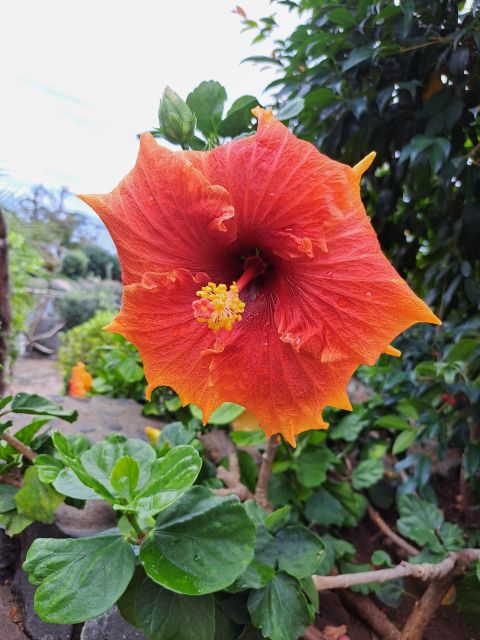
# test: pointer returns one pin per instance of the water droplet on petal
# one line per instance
(369, 294)
(342, 302)
(329, 274)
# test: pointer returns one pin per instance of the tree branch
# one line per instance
(261, 491)
(231, 477)
(19, 446)
(369, 611)
(424, 571)
(398, 540)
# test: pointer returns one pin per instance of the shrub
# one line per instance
(74, 264)
(79, 306)
(101, 263)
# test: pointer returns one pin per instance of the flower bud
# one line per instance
(177, 121)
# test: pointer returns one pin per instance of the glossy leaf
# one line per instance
(207, 101)
(300, 551)
(367, 473)
(78, 579)
(37, 500)
(200, 544)
(37, 405)
(124, 476)
(161, 614)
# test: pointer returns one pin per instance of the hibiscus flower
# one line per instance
(253, 275)
(80, 381)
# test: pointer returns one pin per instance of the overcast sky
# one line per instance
(83, 77)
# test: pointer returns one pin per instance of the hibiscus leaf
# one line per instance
(37, 500)
(200, 544)
(7, 494)
(239, 117)
(300, 551)
(207, 102)
(280, 609)
(225, 413)
(291, 109)
(36, 405)
(367, 473)
(170, 477)
(79, 579)
(124, 476)
(160, 613)
(419, 520)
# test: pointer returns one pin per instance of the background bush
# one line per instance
(78, 306)
(101, 263)
(74, 264)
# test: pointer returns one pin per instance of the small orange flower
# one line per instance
(253, 275)
(80, 381)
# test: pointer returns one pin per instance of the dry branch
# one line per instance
(424, 571)
(19, 446)
(369, 611)
(261, 491)
(398, 540)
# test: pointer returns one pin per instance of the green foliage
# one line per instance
(101, 263)
(74, 264)
(24, 262)
(78, 306)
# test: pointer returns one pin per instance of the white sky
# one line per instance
(82, 77)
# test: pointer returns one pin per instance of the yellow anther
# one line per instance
(219, 306)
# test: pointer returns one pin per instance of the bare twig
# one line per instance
(424, 571)
(398, 540)
(19, 446)
(427, 605)
(231, 477)
(369, 611)
(261, 491)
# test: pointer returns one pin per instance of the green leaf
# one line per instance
(48, 467)
(367, 473)
(248, 438)
(255, 576)
(174, 434)
(225, 413)
(99, 461)
(207, 102)
(37, 500)
(200, 544)
(38, 406)
(312, 466)
(322, 508)
(124, 476)
(349, 428)
(26, 434)
(170, 477)
(7, 495)
(130, 370)
(278, 518)
(300, 551)
(403, 441)
(356, 56)
(280, 609)
(452, 536)
(381, 558)
(393, 422)
(239, 117)
(291, 109)
(354, 503)
(5, 401)
(462, 350)
(14, 522)
(342, 17)
(68, 484)
(163, 614)
(79, 579)
(320, 98)
(419, 521)
(173, 404)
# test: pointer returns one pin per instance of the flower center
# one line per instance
(220, 306)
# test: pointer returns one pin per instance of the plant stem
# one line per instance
(132, 518)
(398, 540)
(19, 446)
(261, 491)
(424, 571)
(374, 616)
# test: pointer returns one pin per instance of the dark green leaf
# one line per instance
(79, 579)
(280, 609)
(349, 428)
(312, 466)
(124, 476)
(14, 522)
(300, 551)
(419, 520)
(393, 422)
(239, 117)
(291, 109)
(322, 508)
(200, 544)
(357, 55)
(48, 467)
(7, 494)
(403, 441)
(163, 614)
(38, 406)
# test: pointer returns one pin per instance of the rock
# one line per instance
(9, 630)
(34, 627)
(8, 555)
(95, 517)
(110, 626)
